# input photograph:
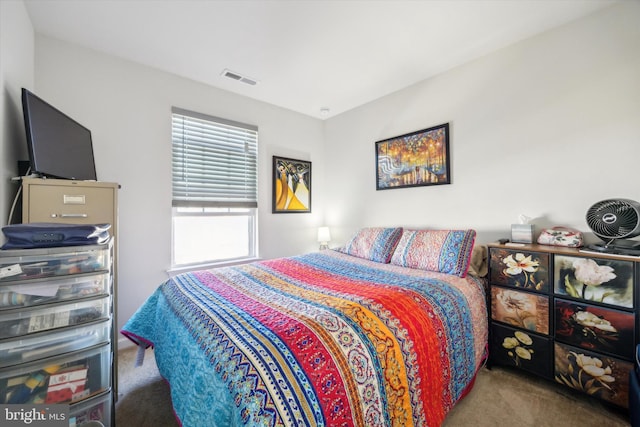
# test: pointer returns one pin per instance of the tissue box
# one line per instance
(522, 233)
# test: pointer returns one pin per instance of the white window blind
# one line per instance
(214, 161)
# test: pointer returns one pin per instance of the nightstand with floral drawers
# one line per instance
(565, 315)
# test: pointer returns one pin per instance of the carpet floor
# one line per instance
(500, 397)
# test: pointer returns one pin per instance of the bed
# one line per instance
(389, 330)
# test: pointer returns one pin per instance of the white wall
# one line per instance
(546, 127)
(16, 72)
(128, 109)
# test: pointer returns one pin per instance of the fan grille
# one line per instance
(614, 219)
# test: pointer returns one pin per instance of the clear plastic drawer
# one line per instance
(95, 409)
(68, 378)
(44, 291)
(24, 264)
(14, 323)
(47, 344)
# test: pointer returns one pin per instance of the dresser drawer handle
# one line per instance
(71, 215)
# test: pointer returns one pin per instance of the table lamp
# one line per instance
(324, 237)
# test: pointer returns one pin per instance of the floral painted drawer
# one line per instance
(605, 281)
(520, 269)
(592, 373)
(595, 328)
(524, 350)
(525, 310)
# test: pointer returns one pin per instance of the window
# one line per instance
(214, 180)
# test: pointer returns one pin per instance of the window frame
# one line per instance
(184, 208)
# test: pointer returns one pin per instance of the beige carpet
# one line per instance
(500, 397)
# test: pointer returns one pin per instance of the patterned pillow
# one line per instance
(374, 243)
(444, 251)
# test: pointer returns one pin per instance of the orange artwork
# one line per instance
(291, 185)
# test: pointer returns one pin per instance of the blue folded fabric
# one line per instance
(47, 235)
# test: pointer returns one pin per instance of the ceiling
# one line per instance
(305, 55)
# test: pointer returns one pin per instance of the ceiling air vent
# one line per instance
(239, 77)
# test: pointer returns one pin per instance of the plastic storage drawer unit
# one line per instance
(68, 378)
(14, 323)
(97, 408)
(23, 264)
(41, 345)
(57, 330)
(27, 293)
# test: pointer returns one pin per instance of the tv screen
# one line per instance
(59, 147)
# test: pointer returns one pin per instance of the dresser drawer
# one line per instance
(520, 269)
(605, 281)
(28, 293)
(64, 379)
(14, 323)
(24, 264)
(97, 408)
(42, 345)
(595, 328)
(522, 349)
(525, 310)
(70, 204)
(592, 373)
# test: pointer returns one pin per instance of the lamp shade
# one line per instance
(324, 235)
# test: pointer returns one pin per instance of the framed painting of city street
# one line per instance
(415, 159)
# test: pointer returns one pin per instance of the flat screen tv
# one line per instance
(59, 147)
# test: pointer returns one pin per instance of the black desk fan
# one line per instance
(616, 222)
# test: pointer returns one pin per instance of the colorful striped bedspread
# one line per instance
(322, 339)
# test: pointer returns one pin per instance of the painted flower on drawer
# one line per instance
(519, 347)
(593, 322)
(590, 274)
(523, 267)
(595, 374)
(587, 374)
(521, 309)
(605, 281)
(595, 328)
(587, 329)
